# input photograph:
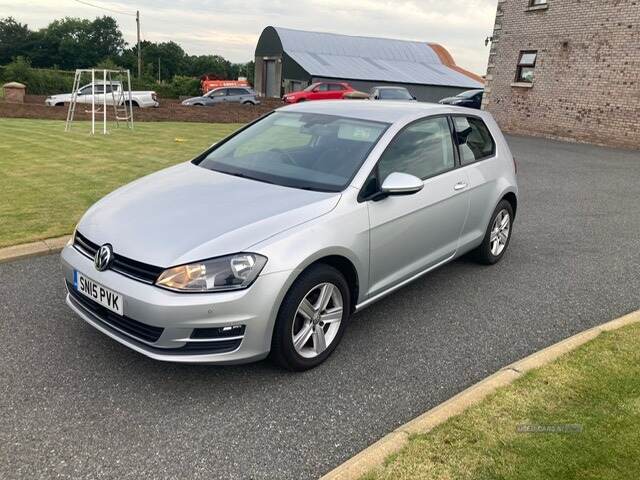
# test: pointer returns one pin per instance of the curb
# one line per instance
(374, 455)
(33, 249)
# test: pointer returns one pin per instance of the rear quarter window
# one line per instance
(474, 139)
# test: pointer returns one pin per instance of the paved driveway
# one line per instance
(74, 404)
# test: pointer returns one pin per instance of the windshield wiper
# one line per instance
(248, 177)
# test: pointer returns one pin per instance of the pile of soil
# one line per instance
(170, 110)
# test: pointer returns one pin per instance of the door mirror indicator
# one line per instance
(401, 184)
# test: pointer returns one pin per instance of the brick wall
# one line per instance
(587, 77)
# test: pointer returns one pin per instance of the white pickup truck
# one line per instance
(113, 92)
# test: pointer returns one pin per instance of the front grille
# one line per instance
(125, 324)
(142, 272)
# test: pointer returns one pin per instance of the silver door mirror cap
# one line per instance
(401, 184)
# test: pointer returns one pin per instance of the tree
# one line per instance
(71, 43)
(14, 39)
(106, 38)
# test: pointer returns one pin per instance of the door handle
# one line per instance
(460, 186)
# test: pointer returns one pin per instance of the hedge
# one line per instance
(41, 81)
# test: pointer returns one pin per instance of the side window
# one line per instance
(87, 90)
(423, 149)
(323, 87)
(220, 93)
(473, 138)
(334, 87)
(237, 91)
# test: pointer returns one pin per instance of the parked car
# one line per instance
(391, 93)
(319, 91)
(209, 81)
(113, 92)
(243, 95)
(258, 247)
(469, 99)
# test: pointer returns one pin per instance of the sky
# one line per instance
(231, 27)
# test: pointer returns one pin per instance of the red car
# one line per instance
(319, 91)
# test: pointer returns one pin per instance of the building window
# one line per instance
(536, 3)
(526, 66)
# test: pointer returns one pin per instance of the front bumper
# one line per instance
(176, 315)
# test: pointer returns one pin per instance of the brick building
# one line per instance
(567, 69)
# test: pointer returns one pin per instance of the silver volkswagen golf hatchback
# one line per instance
(267, 242)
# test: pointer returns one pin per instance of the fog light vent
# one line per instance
(218, 332)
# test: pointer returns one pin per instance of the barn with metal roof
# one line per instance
(289, 60)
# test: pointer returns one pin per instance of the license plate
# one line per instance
(96, 292)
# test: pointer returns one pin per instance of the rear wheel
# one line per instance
(312, 319)
(248, 104)
(498, 234)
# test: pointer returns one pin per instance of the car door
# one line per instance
(235, 95)
(219, 96)
(409, 234)
(84, 94)
(479, 160)
(321, 92)
(336, 91)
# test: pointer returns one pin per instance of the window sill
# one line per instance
(535, 8)
(522, 85)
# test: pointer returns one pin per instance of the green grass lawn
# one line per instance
(48, 177)
(596, 386)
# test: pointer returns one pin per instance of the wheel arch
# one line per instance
(347, 269)
(513, 200)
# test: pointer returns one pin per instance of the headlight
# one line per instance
(232, 272)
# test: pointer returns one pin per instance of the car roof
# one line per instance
(389, 87)
(388, 111)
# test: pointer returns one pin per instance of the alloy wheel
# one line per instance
(500, 232)
(317, 320)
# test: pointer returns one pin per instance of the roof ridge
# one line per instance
(421, 42)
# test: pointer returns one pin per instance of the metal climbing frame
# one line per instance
(121, 101)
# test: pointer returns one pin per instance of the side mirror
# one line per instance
(414, 98)
(401, 184)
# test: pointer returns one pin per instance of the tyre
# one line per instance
(311, 319)
(498, 235)
(248, 104)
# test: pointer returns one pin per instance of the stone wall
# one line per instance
(586, 83)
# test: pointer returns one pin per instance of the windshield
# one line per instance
(468, 93)
(311, 87)
(300, 150)
(394, 94)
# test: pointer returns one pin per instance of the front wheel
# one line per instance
(312, 319)
(497, 236)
